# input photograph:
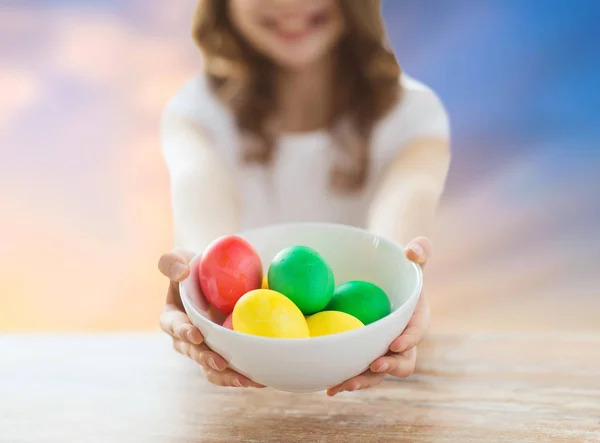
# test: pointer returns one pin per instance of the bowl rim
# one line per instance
(333, 337)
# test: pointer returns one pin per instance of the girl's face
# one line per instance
(293, 33)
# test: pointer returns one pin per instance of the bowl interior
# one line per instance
(353, 254)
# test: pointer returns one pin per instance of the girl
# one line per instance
(301, 114)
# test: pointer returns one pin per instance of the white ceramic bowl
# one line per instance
(315, 364)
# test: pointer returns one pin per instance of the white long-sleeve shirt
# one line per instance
(213, 193)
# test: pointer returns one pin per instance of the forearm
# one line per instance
(405, 213)
(405, 204)
(202, 211)
(204, 198)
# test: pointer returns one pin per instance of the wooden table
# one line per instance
(132, 388)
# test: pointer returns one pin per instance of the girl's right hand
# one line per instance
(187, 339)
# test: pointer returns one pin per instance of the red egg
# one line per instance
(229, 268)
(228, 323)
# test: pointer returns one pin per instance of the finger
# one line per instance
(186, 253)
(177, 324)
(201, 354)
(209, 359)
(194, 336)
(419, 250)
(182, 347)
(230, 378)
(175, 264)
(365, 380)
(398, 365)
(415, 330)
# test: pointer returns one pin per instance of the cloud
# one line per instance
(95, 241)
(20, 90)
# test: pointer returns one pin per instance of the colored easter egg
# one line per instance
(363, 300)
(302, 275)
(331, 322)
(265, 282)
(229, 268)
(228, 323)
(268, 313)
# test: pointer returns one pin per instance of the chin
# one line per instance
(295, 63)
(297, 60)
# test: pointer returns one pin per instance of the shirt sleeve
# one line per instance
(203, 197)
(425, 110)
(418, 114)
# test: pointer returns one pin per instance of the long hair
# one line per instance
(243, 79)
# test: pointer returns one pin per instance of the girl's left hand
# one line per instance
(401, 359)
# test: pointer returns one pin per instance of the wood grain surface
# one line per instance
(132, 388)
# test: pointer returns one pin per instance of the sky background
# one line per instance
(84, 194)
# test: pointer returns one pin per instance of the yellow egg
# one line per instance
(331, 322)
(265, 282)
(269, 314)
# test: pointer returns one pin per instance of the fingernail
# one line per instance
(238, 384)
(177, 270)
(356, 388)
(417, 249)
(189, 335)
(399, 348)
(384, 367)
(212, 364)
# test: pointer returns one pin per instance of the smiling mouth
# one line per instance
(298, 29)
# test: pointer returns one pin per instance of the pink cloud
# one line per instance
(20, 90)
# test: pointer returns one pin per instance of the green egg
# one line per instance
(302, 275)
(363, 300)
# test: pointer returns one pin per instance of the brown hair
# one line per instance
(242, 79)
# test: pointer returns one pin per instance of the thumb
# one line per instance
(419, 250)
(175, 264)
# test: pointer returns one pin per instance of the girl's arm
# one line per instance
(403, 210)
(405, 203)
(205, 202)
(205, 206)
